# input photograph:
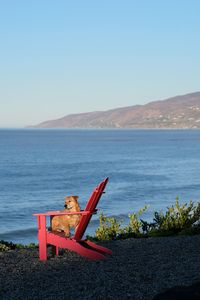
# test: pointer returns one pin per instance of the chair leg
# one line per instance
(55, 250)
(42, 251)
(42, 237)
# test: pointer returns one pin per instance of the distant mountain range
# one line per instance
(177, 112)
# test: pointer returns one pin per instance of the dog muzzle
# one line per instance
(68, 207)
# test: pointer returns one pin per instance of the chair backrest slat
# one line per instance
(90, 206)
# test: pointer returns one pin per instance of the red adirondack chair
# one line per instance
(75, 243)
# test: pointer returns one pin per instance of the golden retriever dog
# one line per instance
(65, 222)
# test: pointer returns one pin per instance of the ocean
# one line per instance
(39, 167)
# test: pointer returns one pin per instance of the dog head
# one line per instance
(71, 203)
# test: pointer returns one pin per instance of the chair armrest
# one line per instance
(61, 213)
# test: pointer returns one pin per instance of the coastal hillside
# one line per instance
(177, 112)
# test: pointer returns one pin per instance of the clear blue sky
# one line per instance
(62, 57)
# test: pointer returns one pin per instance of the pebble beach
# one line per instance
(138, 269)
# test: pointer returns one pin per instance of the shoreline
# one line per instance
(138, 269)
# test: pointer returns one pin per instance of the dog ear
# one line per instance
(76, 198)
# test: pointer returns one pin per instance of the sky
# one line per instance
(64, 57)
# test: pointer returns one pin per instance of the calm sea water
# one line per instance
(38, 168)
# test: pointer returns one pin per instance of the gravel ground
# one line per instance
(138, 269)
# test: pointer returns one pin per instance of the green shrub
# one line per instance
(195, 229)
(135, 228)
(178, 219)
(5, 246)
(109, 228)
